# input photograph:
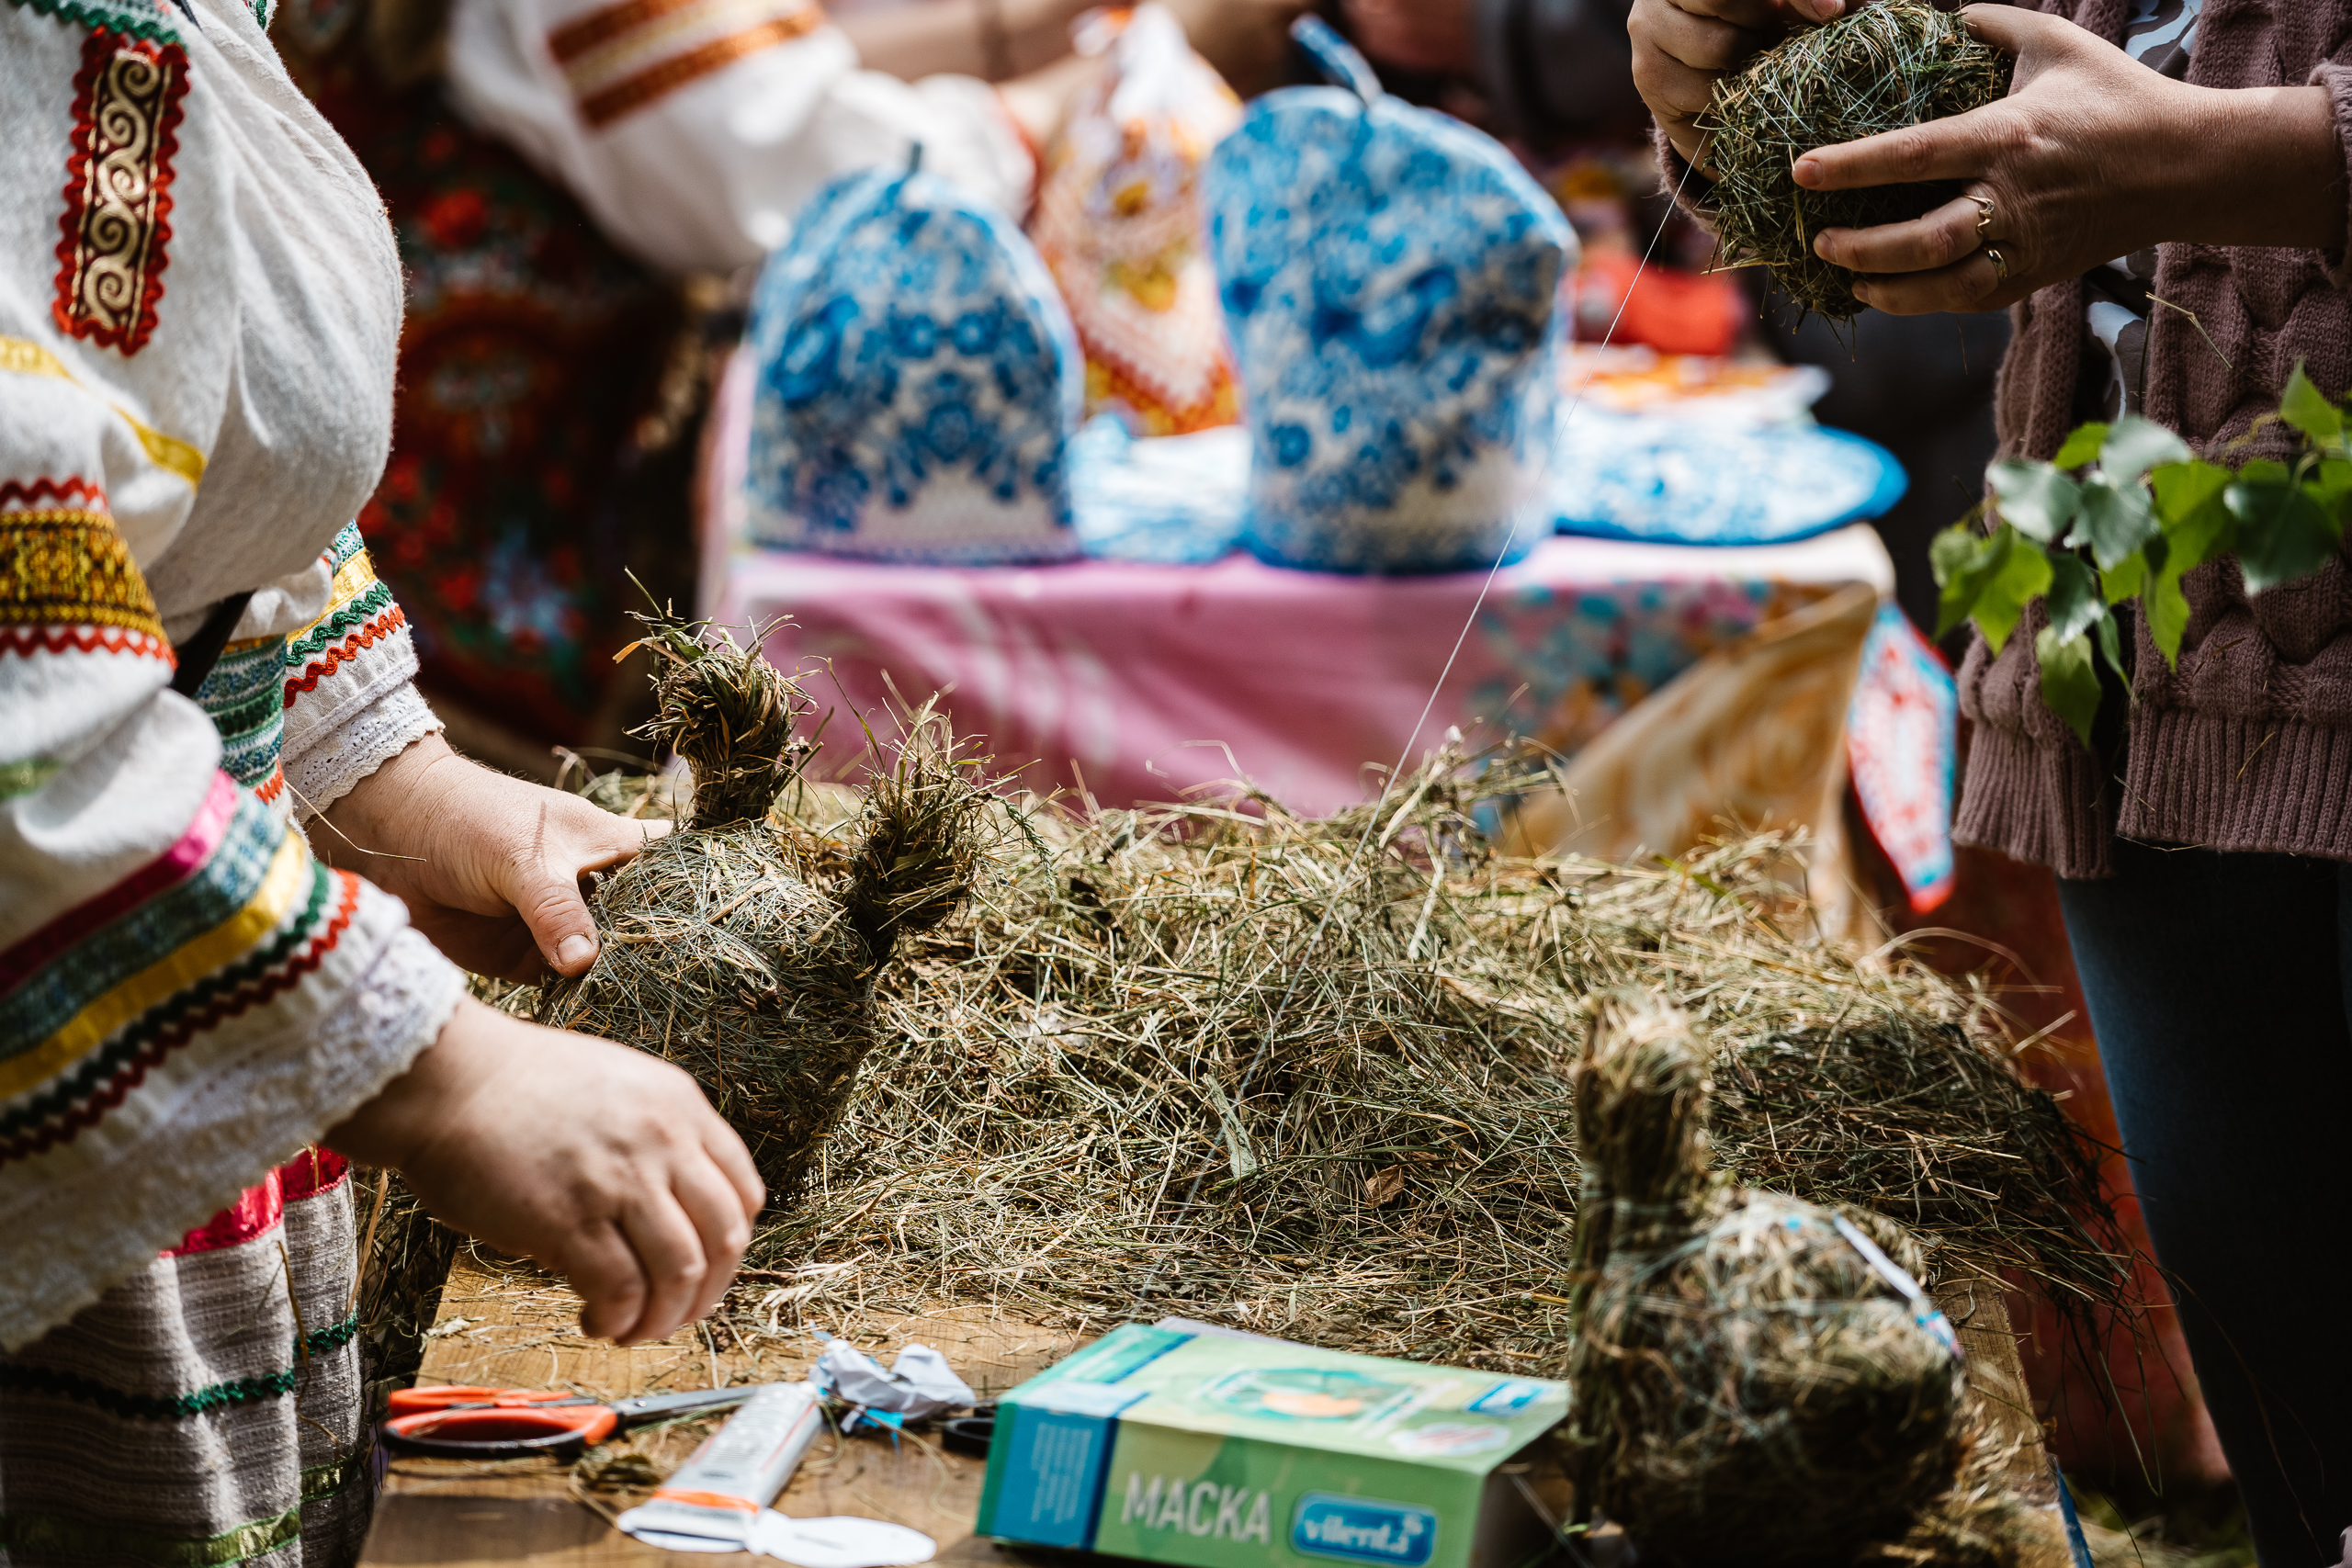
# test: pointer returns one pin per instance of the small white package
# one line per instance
(715, 1501)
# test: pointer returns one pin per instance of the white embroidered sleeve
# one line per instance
(187, 996)
(695, 133)
(350, 703)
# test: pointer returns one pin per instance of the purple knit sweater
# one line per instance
(2248, 744)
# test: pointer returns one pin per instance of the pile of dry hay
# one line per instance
(1879, 67)
(1311, 1078)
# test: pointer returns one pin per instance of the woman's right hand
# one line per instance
(603, 1163)
(1682, 48)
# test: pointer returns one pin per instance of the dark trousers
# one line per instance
(2221, 987)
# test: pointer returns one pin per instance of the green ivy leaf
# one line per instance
(2075, 605)
(2081, 448)
(2183, 490)
(2036, 499)
(2307, 409)
(1950, 551)
(2205, 531)
(2069, 680)
(2283, 533)
(2331, 486)
(2020, 576)
(2127, 578)
(2115, 521)
(1988, 579)
(2135, 446)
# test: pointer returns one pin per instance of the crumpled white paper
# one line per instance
(839, 1542)
(919, 1384)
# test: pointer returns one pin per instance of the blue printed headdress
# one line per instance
(918, 382)
(1390, 278)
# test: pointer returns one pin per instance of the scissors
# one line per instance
(463, 1422)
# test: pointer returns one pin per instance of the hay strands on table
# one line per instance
(1753, 1377)
(1063, 1059)
(1879, 67)
(744, 949)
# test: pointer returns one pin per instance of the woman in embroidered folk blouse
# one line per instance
(198, 325)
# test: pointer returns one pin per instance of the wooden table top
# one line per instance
(506, 1325)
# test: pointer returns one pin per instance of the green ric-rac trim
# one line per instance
(369, 600)
(48, 1535)
(137, 21)
(18, 1379)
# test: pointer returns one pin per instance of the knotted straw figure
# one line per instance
(744, 949)
(1754, 1379)
(1877, 68)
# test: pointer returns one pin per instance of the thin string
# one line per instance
(1372, 822)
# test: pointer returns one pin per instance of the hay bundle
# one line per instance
(1142, 1062)
(1747, 1382)
(1879, 67)
(741, 949)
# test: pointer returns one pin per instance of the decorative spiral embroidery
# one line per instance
(117, 188)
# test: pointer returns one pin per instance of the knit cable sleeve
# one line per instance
(2337, 79)
(350, 702)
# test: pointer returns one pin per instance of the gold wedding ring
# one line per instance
(2000, 266)
(1984, 217)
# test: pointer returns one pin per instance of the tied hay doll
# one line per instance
(743, 949)
(1754, 1379)
(1878, 67)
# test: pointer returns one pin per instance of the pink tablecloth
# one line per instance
(1142, 681)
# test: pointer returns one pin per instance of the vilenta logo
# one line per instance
(1196, 1507)
(1364, 1529)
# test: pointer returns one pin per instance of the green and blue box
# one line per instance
(1180, 1443)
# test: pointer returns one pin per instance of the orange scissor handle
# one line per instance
(503, 1431)
(417, 1401)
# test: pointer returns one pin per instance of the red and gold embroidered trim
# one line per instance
(621, 58)
(29, 640)
(66, 566)
(117, 188)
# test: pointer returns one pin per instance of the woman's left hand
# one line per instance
(2091, 157)
(488, 866)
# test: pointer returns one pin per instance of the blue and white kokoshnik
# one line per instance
(919, 382)
(1390, 278)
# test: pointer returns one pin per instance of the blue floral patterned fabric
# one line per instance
(1170, 500)
(1389, 276)
(1691, 481)
(918, 384)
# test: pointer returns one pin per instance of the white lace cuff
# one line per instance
(326, 768)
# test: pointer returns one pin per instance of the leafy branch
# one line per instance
(2122, 513)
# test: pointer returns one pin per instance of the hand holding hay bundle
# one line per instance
(1878, 68)
(1747, 1380)
(745, 950)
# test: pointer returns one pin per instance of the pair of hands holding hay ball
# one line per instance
(2089, 156)
(603, 1163)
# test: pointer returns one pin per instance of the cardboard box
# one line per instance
(1177, 1443)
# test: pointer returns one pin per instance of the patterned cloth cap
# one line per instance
(1119, 222)
(918, 382)
(1390, 278)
